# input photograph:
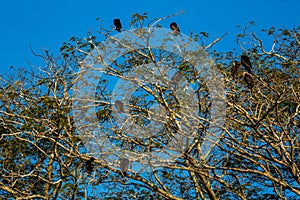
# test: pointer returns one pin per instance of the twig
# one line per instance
(163, 18)
(215, 41)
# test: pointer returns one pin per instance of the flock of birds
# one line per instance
(245, 62)
(89, 165)
(173, 26)
(118, 26)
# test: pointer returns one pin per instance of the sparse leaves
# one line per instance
(43, 157)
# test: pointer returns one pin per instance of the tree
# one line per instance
(44, 151)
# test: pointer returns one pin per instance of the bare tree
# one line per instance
(155, 108)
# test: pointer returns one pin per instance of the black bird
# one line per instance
(245, 61)
(119, 106)
(89, 165)
(249, 80)
(235, 69)
(124, 162)
(174, 28)
(118, 25)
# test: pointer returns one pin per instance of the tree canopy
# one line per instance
(154, 110)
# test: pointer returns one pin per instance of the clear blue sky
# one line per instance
(46, 24)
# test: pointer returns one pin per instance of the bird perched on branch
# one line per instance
(118, 25)
(119, 106)
(89, 165)
(245, 61)
(174, 28)
(249, 80)
(235, 69)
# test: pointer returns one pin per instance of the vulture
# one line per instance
(118, 25)
(119, 106)
(245, 61)
(249, 80)
(174, 28)
(89, 165)
(235, 69)
(124, 162)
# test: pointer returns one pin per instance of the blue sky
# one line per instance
(46, 24)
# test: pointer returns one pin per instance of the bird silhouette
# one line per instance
(174, 28)
(235, 69)
(245, 61)
(118, 25)
(119, 106)
(249, 80)
(89, 165)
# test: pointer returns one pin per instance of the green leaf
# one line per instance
(286, 32)
(205, 34)
(271, 31)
